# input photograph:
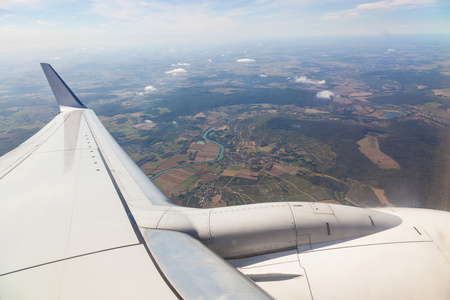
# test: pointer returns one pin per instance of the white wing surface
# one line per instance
(66, 224)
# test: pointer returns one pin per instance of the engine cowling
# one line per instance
(241, 231)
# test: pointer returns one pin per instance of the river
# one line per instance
(204, 137)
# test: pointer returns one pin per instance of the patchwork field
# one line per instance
(369, 147)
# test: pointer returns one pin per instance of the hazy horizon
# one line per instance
(57, 28)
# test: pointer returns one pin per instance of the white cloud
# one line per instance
(45, 23)
(55, 58)
(181, 64)
(245, 60)
(11, 4)
(391, 50)
(137, 22)
(175, 72)
(149, 89)
(148, 121)
(6, 17)
(263, 75)
(209, 60)
(325, 94)
(304, 79)
(373, 6)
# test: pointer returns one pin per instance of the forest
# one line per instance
(414, 145)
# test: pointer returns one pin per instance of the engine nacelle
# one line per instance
(241, 231)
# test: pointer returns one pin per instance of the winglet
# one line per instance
(63, 94)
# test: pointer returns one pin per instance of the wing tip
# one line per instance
(63, 94)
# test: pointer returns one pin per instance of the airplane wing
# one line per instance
(79, 220)
(66, 225)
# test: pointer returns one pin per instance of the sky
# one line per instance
(44, 24)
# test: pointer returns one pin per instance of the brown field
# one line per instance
(229, 173)
(360, 94)
(240, 173)
(352, 201)
(381, 196)
(315, 111)
(200, 115)
(224, 127)
(247, 174)
(144, 126)
(147, 168)
(206, 152)
(170, 182)
(178, 175)
(342, 100)
(369, 147)
(343, 90)
(103, 118)
(206, 176)
(378, 113)
(443, 92)
(216, 201)
(267, 148)
(278, 169)
(359, 110)
(172, 162)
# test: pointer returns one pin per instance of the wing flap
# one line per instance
(197, 272)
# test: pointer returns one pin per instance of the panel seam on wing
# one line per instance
(68, 258)
(23, 158)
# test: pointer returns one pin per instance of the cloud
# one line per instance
(45, 23)
(11, 4)
(175, 72)
(181, 64)
(149, 89)
(55, 58)
(306, 80)
(325, 95)
(373, 6)
(6, 17)
(245, 60)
